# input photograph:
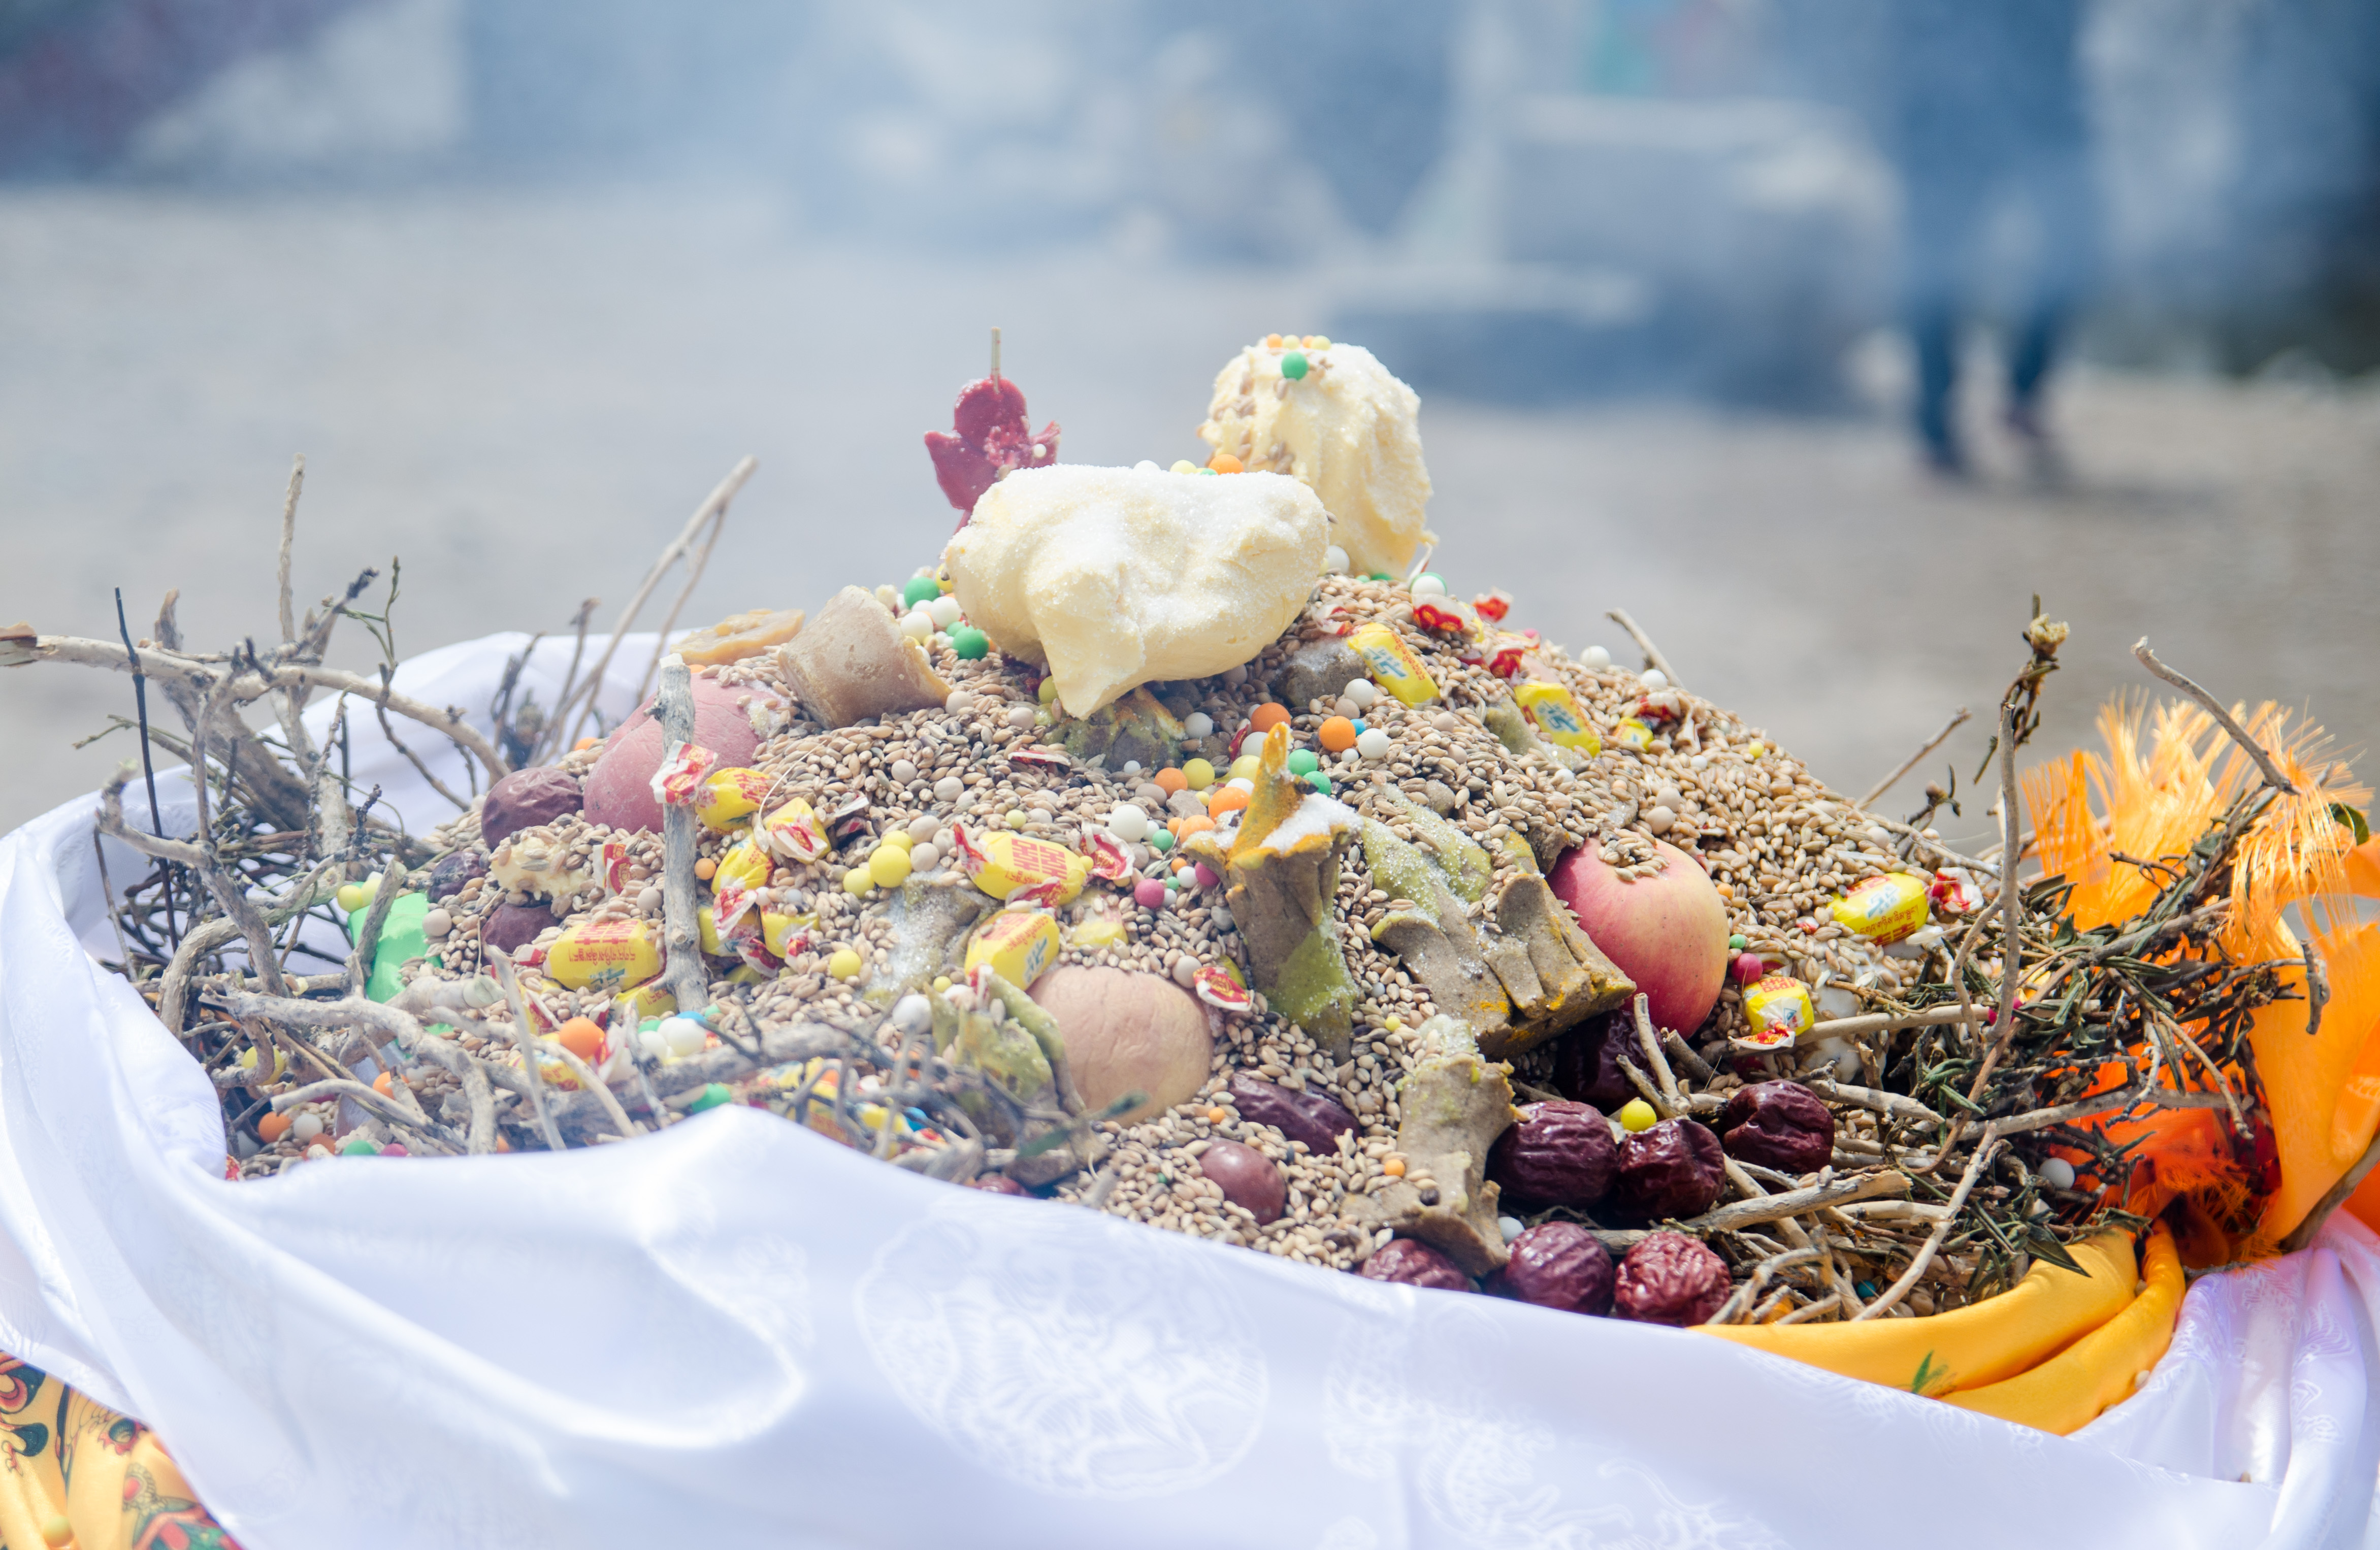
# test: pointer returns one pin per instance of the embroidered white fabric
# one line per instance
(736, 1333)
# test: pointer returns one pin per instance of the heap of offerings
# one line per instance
(1185, 843)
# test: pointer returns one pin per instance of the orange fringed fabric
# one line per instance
(2323, 1090)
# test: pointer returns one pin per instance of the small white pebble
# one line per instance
(923, 829)
(1198, 724)
(436, 924)
(1131, 767)
(949, 788)
(684, 1035)
(1594, 658)
(1653, 678)
(945, 611)
(1374, 742)
(913, 1014)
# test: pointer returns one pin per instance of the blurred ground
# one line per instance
(523, 396)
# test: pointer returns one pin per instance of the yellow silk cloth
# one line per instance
(78, 1473)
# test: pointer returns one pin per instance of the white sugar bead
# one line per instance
(1596, 658)
(1198, 724)
(1374, 744)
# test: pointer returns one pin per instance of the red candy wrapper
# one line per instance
(1220, 990)
(678, 783)
(989, 437)
(1108, 862)
(615, 866)
(1493, 604)
(1444, 615)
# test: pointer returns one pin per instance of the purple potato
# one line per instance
(524, 799)
(1247, 1179)
(510, 928)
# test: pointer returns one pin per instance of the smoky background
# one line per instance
(524, 277)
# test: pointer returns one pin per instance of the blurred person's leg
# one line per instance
(2062, 192)
(1942, 201)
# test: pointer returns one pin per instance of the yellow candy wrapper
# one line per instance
(1780, 1012)
(1016, 944)
(742, 870)
(785, 935)
(794, 831)
(633, 1006)
(1394, 667)
(1632, 734)
(1009, 866)
(729, 796)
(1883, 909)
(1557, 716)
(604, 954)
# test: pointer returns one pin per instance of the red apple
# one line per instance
(620, 788)
(1667, 932)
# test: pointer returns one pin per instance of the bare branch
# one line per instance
(2223, 717)
(289, 540)
(1933, 743)
(1653, 657)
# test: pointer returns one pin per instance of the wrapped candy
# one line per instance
(1883, 909)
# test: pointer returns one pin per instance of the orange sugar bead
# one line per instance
(272, 1128)
(1268, 717)
(705, 868)
(582, 744)
(1173, 780)
(1395, 1168)
(381, 1084)
(1224, 462)
(1195, 824)
(1272, 341)
(1337, 735)
(580, 1036)
(1231, 799)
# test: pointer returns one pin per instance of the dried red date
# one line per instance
(1560, 1153)
(996, 1183)
(1671, 1279)
(1558, 1264)
(1409, 1262)
(1586, 1063)
(1308, 1117)
(455, 869)
(1675, 1168)
(1778, 1125)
